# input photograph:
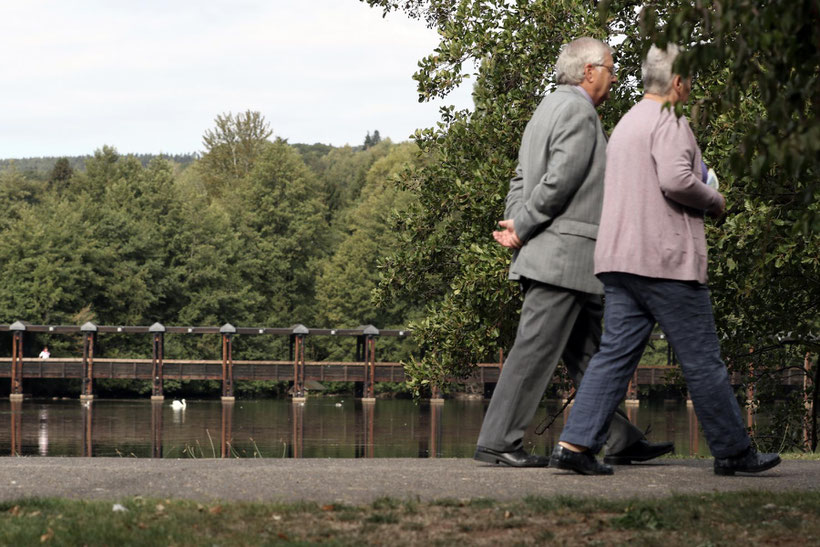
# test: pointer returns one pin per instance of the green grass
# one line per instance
(739, 518)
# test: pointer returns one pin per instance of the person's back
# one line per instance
(562, 160)
(643, 231)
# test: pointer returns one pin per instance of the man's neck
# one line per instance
(586, 94)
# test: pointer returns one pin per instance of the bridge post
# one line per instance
(632, 390)
(16, 393)
(89, 331)
(368, 342)
(227, 331)
(298, 341)
(157, 331)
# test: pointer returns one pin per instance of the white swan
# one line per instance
(176, 405)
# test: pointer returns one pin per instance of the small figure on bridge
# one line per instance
(45, 353)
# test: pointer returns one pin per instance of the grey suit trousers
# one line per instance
(555, 324)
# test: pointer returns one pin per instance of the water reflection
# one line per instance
(16, 414)
(156, 428)
(88, 427)
(42, 433)
(227, 429)
(365, 427)
(320, 428)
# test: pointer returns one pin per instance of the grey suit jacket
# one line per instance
(556, 196)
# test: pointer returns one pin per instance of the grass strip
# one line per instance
(736, 518)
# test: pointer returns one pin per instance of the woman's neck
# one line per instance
(670, 98)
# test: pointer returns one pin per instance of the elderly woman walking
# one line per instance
(651, 256)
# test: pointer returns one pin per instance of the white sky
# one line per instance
(147, 76)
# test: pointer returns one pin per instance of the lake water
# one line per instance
(326, 427)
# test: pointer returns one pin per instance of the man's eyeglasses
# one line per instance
(610, 69)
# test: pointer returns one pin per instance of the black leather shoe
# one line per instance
(639, 451)
(580, 462)
(750, 461)
(516, 458)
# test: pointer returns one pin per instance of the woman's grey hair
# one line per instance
(569, 68)
(656, 69)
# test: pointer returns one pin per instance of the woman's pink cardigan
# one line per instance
(654, 199)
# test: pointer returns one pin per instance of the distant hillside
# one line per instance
(46, 164)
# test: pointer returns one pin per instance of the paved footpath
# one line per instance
(360, 481)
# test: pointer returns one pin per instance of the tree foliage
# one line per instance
(233, 146)
(118, 241)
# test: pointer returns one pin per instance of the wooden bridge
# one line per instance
(365, 369)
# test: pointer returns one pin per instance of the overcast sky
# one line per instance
(150, 76)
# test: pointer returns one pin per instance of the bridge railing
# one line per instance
(365, 370)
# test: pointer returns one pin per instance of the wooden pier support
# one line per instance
(366, 352)
(227, 331)
(297, 340)
(89, 331)
(632, 390)
(157, 331)
(16, 392)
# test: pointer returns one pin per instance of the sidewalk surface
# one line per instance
(360, 481)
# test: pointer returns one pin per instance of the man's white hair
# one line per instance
(569, 68)
(656, 70)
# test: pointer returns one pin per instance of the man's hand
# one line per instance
(507, 237)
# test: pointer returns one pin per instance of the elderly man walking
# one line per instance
(651, 256)
(553, 209)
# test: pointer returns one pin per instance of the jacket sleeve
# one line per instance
(673, 149)
(570, 146)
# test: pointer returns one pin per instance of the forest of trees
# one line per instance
(255, 232)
